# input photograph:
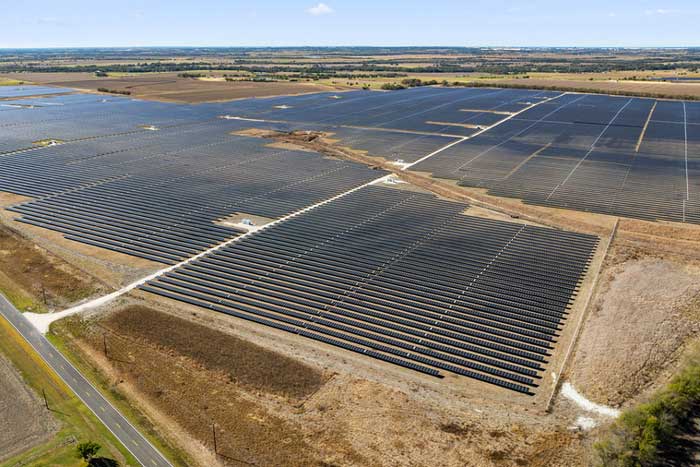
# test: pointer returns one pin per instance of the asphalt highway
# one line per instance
(129, 436)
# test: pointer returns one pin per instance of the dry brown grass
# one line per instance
(189, 378)
(644, 315)
(33, 278)
(244, 363)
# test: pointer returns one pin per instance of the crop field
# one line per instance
(169, 87)
(670, 87)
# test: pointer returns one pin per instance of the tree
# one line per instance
(87, 450)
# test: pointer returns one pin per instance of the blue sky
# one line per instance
(77, 23)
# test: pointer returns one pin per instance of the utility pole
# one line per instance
(46, 401)
(104, 343)
(213, 430)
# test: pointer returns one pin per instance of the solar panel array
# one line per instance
(389, 144)
(157, 195)
(29, 90)
(398, 275)
(112, 151)
(404, 117)
(75, 117)
(453, 111)
(623, 156)
(403, 277)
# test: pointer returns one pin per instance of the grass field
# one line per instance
(10, 82)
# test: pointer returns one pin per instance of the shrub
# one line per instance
(392, 86)
(643, 434)
(114, 91)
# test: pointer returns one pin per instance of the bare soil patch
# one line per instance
(194, 380)
(641, 88)
(646, 312)
(24, 420)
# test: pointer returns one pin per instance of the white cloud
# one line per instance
(660, 11)
(320, 9)
(50, 20)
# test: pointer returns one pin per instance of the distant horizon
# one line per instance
(343, 23)
(292, 47)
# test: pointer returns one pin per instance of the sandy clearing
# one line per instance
(637, 327)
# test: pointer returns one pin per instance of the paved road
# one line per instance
(141, 449)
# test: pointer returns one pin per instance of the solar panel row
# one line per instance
(403, 275)
(457, 112)
(159, 195)
(28, 90)
(622, 156)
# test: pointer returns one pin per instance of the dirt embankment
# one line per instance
(271, 409)
(34, 279)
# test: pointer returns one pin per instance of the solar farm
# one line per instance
(395, 274)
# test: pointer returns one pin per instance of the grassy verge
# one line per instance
(655, 431)
(78, 424)
(10, 82)
(60, 336)
(18, 296)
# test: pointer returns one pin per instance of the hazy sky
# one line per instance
(53, 23)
